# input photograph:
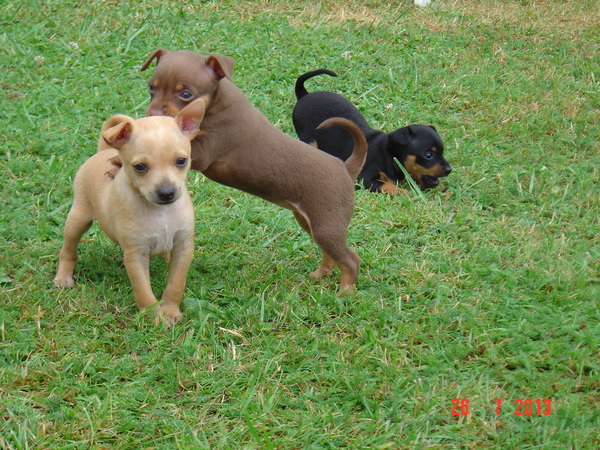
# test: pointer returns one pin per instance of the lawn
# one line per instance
(475, 323)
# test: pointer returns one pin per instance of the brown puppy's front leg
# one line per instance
(180, 261)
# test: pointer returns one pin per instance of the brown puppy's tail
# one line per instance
(356, 161)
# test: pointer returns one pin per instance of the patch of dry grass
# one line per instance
(546, 16)
(550, 17)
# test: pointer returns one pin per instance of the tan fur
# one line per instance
(110, 122)
(242, 149)
(417, 171)
(389, 187)
(148, 213)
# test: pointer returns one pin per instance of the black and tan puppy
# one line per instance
(419, 148)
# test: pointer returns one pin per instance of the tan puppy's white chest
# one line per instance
(169, 227)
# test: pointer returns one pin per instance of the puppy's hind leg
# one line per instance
(78, 222)
(327, 264)
(335, 250)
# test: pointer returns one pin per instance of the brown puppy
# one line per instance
(144, 205)
(240, 148)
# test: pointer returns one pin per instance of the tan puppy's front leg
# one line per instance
(138, 269)
(77, 224)
(180, 261)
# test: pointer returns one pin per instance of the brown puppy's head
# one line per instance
(154, 152)
(181, 77)
(421, 151)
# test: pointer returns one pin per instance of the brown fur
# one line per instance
(242, 149)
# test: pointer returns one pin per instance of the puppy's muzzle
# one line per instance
(162, 110)
(447, 169)
(166, 194)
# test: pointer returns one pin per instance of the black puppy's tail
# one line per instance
(300, 89)
(356, 161)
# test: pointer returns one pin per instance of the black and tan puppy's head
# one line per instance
(154, 152)
(421, 151)
(183, 76)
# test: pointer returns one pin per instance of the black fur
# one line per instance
(412, 141)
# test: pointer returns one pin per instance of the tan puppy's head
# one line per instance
(181, 77)
(154, 152)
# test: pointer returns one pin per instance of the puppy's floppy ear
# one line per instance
(222, 66)
(189, 118)
(401, 136)
(115, 120)
(155, 54)
(118, 135)
(110, 122)
(433, 128)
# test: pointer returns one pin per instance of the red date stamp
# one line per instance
(522, 407)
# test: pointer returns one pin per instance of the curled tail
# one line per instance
(356, 161)
(300, 89)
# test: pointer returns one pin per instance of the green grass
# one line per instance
(487, 290)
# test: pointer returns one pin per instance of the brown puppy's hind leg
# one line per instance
(327, 264)
(335, 252)
(349, 274)
(326, 267)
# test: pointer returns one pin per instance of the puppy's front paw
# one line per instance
(64, 282)
(388, 186)
(168, 313)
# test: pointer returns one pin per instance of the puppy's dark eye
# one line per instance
(140, 168)
(181, 162)
(428, 155)
(151, 88)
(185, 95)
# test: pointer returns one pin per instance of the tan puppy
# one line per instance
(239, 147)
(143, 205)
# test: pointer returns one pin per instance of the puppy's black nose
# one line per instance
(447, 168)
(166, 194)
